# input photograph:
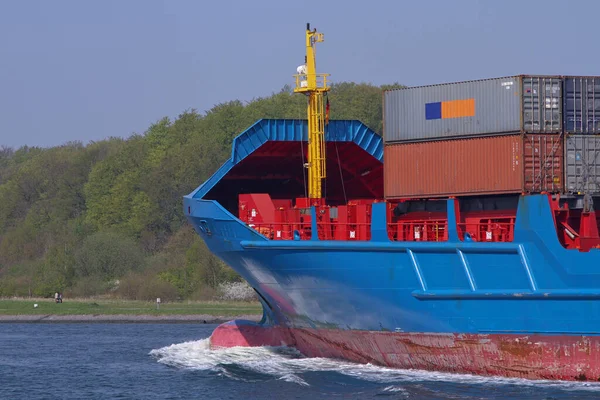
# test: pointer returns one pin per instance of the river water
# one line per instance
(173, 361)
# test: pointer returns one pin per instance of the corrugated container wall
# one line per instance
(475, 166)
(581, 104)
(475, 108)
(582, 164)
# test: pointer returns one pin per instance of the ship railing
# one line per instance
(429, 230)
(302, 82)
(283, 231)
(401, 231)
(325, 230)
(487, 231)
(345, 231)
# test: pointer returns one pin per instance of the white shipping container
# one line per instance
(582, 164)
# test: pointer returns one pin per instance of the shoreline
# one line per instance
(125, 318)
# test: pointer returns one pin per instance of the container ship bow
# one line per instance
(466, 241)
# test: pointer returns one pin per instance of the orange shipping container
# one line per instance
(463, 167)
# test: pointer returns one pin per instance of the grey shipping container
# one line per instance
(527, 104)
(582, 164)
(581, 104)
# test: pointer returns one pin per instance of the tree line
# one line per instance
(106, 218)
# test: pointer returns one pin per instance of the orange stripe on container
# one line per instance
(458, 108)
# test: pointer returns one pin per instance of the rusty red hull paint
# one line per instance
(509, 355)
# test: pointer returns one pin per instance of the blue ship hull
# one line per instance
(531, 285)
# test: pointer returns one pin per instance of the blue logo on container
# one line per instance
(433, 110)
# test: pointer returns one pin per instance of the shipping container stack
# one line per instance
(582, 127)
(519, 134)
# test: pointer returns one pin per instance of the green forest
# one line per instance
(105, 218)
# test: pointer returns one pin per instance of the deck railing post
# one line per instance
(313, 224)
(379, 223)
(452, 206)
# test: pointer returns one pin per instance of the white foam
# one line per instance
(288, 364)
(394, 389)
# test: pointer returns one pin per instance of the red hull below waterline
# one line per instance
(520, 356)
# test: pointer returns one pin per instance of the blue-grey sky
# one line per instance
(86, 70)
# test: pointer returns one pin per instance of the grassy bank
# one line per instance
(124, 307)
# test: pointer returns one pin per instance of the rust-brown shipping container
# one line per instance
(463, 167)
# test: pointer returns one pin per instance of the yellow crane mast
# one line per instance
(314, 86)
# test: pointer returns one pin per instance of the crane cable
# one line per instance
(341, 174)
(339, 162)
(324, 155)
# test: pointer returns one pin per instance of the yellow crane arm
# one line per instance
(314, 86)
